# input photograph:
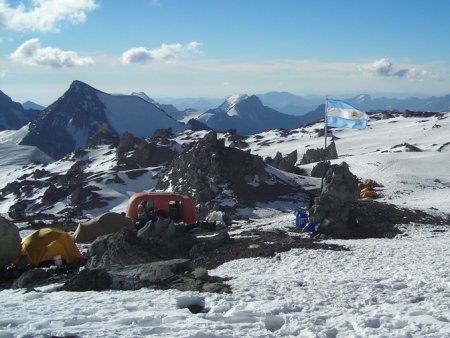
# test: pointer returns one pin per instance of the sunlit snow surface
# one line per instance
(382, 287)
(378, 288)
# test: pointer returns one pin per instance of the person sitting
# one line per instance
(145, 213)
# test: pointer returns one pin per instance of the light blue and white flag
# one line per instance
(340, 114)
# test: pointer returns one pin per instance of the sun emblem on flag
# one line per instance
(355, 114)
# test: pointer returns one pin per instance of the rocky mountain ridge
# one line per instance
(83, 112)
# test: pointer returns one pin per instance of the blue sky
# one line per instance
(212, 48)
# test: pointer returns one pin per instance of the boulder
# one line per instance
(10, 241)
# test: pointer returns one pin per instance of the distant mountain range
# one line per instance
(292, 104)
(432, 104)
(84, 116)
(13, 115)
(299, 105)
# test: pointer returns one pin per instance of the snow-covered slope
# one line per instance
(414, 179)
(135, 115)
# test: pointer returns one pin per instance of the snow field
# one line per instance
(379, 288)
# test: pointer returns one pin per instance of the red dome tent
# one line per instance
(180, 208)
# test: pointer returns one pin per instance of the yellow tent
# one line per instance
(44, 244)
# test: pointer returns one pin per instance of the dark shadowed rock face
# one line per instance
(133, 152)
(218, 176)
(320, 169)
(68, 123)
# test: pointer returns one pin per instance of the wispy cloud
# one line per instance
(384, 67)
(43, 15)
(165, 53)
(31, 53)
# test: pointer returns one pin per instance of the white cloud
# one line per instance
(384, 67)
(31, 53)
(166, 53)
(43, 15)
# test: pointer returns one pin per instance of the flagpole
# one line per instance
(325, 149)
(326, 122)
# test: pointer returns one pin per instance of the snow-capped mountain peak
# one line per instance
(230, 104)
(363, 98)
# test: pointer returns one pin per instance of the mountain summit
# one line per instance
(83, 111)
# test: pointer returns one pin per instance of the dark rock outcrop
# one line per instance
(317, 155)
(218, 176)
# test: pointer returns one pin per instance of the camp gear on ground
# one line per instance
(107, 223)
(145, 212)
(366, 188)
(301, 218)
(46, 243)
(310, 227)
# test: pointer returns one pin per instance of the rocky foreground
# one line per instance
(180, 259)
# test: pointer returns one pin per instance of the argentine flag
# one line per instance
(340, 114)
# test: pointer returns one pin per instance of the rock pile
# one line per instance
(133, 152)
(319, 154)
(286, 163)
(124, 261)
(331, 210)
